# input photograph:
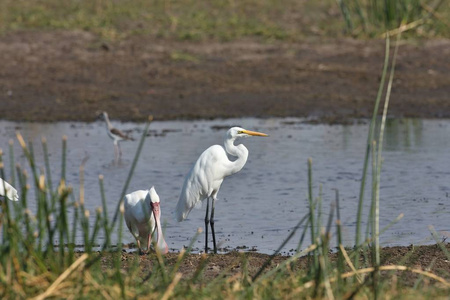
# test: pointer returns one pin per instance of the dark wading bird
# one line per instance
(206, 176)
(143, 218)
(7, 191)
(115, 134)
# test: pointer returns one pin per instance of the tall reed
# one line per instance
(371, 15)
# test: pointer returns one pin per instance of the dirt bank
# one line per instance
(430, 258)
(68, 75)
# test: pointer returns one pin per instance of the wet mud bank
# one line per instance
(430, 258)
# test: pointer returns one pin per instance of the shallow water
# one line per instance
(259, 206)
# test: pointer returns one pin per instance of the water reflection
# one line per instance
(258, 206)
(405, 133)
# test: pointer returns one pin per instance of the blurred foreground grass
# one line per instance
(219, 19)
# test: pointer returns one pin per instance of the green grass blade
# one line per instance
(269, 260)
(368, 148)
(11, 162)
(311, 214)
(63, 158)
(440, 243)
(183, 254)
(105, 222)
(130, 174)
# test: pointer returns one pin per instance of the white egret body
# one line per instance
(142, 216)
(207, 174)
(115, 134)
(7, 190)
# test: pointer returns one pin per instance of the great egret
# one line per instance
(115, 134)
(142, 216)
(206, 176)
(7, 190)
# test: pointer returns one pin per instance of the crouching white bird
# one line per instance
(115, 134)
(206, 176)
(7, 190)
(142, 216)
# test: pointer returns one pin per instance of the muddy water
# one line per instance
(259, 206)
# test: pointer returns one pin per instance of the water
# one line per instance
(259, 206)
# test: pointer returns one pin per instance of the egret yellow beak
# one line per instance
(254, 133)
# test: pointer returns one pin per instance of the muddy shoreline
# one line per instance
(69, 75)
(429, 257)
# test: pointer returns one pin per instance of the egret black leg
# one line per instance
(211, 221)
(206, 225)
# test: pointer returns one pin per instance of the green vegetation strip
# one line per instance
(227, 19)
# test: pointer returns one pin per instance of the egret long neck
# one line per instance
(240, 151)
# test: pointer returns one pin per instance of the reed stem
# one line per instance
(368, 148)
(130, 174)
(11, 162)
(311, 214)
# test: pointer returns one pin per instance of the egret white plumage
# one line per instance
(143, 217)
(115, 134)
(206, 176)
(8, 191)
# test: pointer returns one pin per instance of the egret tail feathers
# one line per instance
(181, 212)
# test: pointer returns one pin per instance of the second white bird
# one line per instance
(142, 216)
(8, 191)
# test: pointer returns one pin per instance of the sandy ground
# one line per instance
(69, 75)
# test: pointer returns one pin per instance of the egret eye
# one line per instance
(240, 131)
